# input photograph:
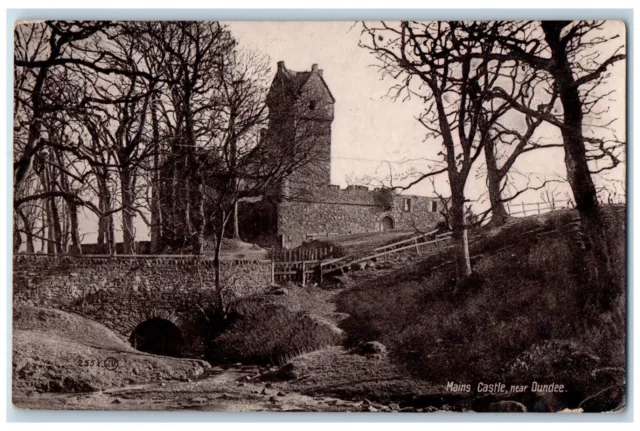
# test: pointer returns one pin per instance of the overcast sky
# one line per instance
(369, 127)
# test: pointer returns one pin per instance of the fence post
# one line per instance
(273, 272)
(524, 210)
(304, 275)
(539, 208)
(508, 208)
(417, 246)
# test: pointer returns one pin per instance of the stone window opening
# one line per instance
(407, 205)
(312, 105)
(434, 206)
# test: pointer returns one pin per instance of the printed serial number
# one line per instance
(108, 363)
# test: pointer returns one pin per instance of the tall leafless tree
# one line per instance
(569, 53)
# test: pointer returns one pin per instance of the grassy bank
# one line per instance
(522, 317)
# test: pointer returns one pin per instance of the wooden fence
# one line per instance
(299, 264)
(302, 253)
(528, 209)
(305, 264)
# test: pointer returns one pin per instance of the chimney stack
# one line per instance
(314, 67)
(320, 72)
(281, 65)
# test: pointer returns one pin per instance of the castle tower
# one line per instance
(300, 116)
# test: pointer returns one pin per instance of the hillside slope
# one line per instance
(521, 318)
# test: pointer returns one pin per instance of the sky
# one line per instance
(371, 131)
(370, 128)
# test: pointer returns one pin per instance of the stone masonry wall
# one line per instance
(122, 292)
(355, 209)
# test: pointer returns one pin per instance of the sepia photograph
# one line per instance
(319, 216)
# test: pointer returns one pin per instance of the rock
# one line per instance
(264, 391)
(198, 400)
(280, 394)
(506, 406)
(430, 409)
(407, 409)
(229, 397)
(280, 291)
(163, 384)
(550, 402)
(285, 372)
(268, 385)
(274, 400)
(116, 401)
(605, 401)
(359, 266)
(370, 348)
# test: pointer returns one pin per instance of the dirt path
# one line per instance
(226, 390)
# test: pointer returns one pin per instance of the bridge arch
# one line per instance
(158, 336)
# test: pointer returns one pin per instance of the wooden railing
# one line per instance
(413, 239)
(533, 208)
(298, 264)
(304, 270)
(302, 253)
(439, 243)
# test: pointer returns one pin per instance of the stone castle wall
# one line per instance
(351, 210)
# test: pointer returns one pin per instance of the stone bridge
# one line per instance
(156, 302)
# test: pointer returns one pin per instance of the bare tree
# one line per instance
(568, 52)
(451, 72)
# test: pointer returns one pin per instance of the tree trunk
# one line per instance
(51, 240)
(28, 226)
(111, 234)
(54, 235)
(24, 166)
(597, 264)
(459, 237)
(105, 221)
(499, 214)
(44, 217)
(197, 207)
(216, 265)
(236, 222)
(76, 247)
(198, 218)
(156, 209)
(126, 188)
(17, 236)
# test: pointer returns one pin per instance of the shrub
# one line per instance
(261, 330)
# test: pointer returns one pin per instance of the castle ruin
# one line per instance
(308, 205)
